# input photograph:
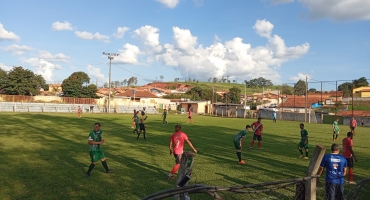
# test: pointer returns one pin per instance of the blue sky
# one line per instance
(281, 40)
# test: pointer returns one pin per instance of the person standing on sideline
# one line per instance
(96, 153)
(257, 128)
(79, 110)
(190, 116)
(134, 118)
(362, 122)
(136, 122)
(349, 155)
(142, 125)
(336, 169)
(164, 115)
(304, 142)
(238, 143)
(176, 147)
(335, 130)
(353, 125)
(274, 117)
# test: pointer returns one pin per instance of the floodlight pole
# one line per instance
(110, 57)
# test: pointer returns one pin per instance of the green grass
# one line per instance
(45, 156)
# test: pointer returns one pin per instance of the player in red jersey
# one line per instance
(190, 117)
(176, 146)
(349, 155)
(353, 125)
(79, 110)
(134, 118)
(257, 128)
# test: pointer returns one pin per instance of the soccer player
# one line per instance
(362, 122)
(349, 155)
(164, 115)
(304, 142)
(336, 169)
(257, 128)
(96, 153)
(239, 141)
(134, 118)
(190, 117)
(353, 125)
(274, 117)
(142, 125)
(79, 110)
(176, 147)
(137, 122)
(335, 130)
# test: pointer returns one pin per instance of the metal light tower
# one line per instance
(110, 57)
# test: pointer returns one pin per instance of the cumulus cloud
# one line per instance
(299, 76)
(89, 36)
(5, 67)
(149, 37)
(120, 32)
(234, 58)
(16, 49)
(43, 67)
(7, 35)
(127, 55)
(339, 10)
(60, 26)
(95, 72)
(169, 3)
(59, 57)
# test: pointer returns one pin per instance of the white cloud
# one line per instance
(169, 3)
(183, 40)
(120, 32)
(300, 76)
(43, 67)
(281, 1)
(89, 36)
(128, 55)
(94, 72)
(7, 35)
(59, 57)
(263, 28)
(16, 49)
(234, 58)
(339, 10)
(149, 37)
(5, 67)
(60, 26)
(198, 3)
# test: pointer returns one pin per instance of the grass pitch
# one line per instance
(45, 156)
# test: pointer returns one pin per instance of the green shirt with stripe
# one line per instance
(240, 135)
(95, 136)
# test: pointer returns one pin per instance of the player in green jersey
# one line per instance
(96, 153)
(239, 141)
(164, 116)
(137, 122)
(335, 130)
(304, 142)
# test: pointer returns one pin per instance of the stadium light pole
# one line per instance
(110, 57)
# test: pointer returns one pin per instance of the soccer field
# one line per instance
(45, 156)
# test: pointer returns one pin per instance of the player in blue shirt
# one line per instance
(336, 169)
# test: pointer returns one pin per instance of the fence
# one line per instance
(46, 99)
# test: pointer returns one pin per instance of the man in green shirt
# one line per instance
(137, 122)
(164, 116)
(239, 141)
(304, 142)
(335, 130)
(96, 153)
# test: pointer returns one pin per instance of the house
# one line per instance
(199, 107)
(135, 94)
(57, 88)
(361, 92)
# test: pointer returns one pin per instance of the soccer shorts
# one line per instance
(237, 145)
(142, 126)
(334, 191)
(302, 145)
(96, 155)
(349, 162)
(177, 158)
(352, 128)
(257, 137)
(189, 117)
(336, 132)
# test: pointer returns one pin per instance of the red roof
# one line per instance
(299, 101)
(356, 113)
(139, 94)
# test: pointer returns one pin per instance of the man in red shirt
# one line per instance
(257, 128)
(190, 117)
(349, 155)
(353, 125)
(79, 110)
(176, 146)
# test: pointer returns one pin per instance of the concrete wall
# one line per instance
(346, 120)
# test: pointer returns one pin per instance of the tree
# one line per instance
(233, 96)
(300, 88)
(105, 85)
(209, 80)
(258, 83)
(285, 89)
(76, 86)
(124, 82)
(360, 82)
(161, 77)
(117, 84)
(3, 75)
(233, 81)
(312, 90)
(214, 79)
(176, 80)
(346, 88)
(132, 81)
(19, 81)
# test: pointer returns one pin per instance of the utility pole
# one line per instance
(110, 57)
(96, 81)
(305, 103)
